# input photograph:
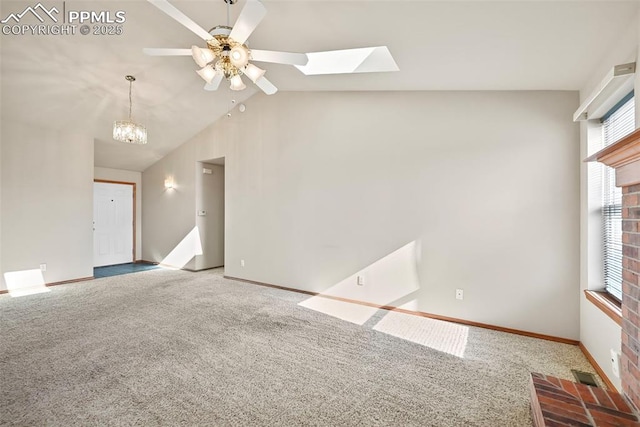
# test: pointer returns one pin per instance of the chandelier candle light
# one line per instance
(127, 130)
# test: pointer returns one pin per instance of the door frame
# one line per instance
(108, 181)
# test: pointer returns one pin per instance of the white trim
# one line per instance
(616, 84)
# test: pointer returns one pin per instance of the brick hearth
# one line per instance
(558, 402)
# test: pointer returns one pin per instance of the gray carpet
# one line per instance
(177, 348)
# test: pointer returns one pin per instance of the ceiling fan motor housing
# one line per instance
(220, 30)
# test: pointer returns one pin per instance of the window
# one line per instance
(616, 124)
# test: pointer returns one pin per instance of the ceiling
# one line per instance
(77, 82)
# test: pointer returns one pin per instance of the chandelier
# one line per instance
(127, 130)
(225, 58)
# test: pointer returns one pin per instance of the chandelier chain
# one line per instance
(130, 83)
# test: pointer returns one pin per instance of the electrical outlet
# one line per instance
(43, 267)
(360, 281)
(241, 263)
(615, 362)
(459, 294)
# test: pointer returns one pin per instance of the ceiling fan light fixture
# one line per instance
(202, 56)
(237, 83)
(207, 73)
(239, 56)
(253, 72)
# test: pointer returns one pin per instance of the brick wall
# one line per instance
(630, 374)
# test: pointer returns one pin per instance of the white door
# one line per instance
(112, 223)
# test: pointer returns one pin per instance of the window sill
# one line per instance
(610, 306)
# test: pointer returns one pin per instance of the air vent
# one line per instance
(585, 378)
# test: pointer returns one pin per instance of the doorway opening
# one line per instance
(114, 224)
(210, 213)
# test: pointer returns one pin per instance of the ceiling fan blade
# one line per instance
(249, 18)
(266, 86)
(279, 57)
(362, 60)
(152, 51)
(171, 10)
(215, 83)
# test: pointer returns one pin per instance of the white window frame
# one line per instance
(617, 123)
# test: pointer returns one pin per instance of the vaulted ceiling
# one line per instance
(77, 82)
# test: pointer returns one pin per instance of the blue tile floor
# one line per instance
(116, 270)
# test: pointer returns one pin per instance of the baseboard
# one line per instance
(63, 282)
(205, 269)
(416, 313)
(597, 368)
(142, 261)
(300, 291)
(193, 270)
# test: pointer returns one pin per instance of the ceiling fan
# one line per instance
(227, 56)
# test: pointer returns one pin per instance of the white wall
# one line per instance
(47, 187)
(120, 175)
(2, 284)
(622, 50)
(169, 215)
(599, 333)
(320, 186)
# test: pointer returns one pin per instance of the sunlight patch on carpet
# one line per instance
(443, 336)
(354, 313)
